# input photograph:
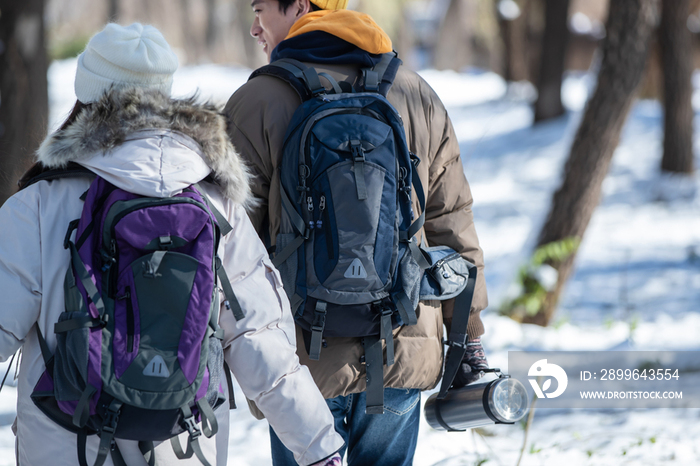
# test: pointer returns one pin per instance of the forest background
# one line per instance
(539, 165)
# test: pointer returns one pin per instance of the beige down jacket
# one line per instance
(258, 115)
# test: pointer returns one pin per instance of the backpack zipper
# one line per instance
(324, 221)
(310, 209)
(321, 208)
(130, 330)
(448, 257)
(403, 188)
(112, 271)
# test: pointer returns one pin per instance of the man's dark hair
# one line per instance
(284, 4)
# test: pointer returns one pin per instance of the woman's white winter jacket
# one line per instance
(151, 145)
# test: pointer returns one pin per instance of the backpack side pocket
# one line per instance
(72, 346)
(408, 279)
(447, 276)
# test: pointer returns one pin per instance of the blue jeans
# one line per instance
(387, 439)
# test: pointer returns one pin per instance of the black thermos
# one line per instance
(500, 401)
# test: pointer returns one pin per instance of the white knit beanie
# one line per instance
(119, 56)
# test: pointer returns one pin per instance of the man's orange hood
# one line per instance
(351, 26)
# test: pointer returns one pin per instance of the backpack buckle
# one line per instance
(319, 321)
(370, 79)
(319, 317)
(358, 153)
(192, 428)
(455, 344)
(110, 424)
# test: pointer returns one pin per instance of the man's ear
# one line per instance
(302, 7)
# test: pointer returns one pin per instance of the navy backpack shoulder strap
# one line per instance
(306, 82)
(292, 74)
(380, 77)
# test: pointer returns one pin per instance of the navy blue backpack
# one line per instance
(346, 249)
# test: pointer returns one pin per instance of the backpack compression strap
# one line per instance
(109, 427)
(209, 428)
(82, 274)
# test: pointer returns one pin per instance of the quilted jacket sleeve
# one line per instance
(449, 220)
(449, 217)
(20, 271)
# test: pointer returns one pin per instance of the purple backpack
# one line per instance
(139, 353)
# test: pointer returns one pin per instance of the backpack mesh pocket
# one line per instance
(217, 377)
(72, 347)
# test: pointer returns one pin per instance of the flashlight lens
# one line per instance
(508, 400)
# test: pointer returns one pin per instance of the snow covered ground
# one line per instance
(636, 283)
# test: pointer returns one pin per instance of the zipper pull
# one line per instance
(303, 175)
(403, 185)
(321, 207)
(124, 296)
(310, 208)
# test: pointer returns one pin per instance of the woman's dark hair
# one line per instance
(284, 4)
(74, 113)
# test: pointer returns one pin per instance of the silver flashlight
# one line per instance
(500, 401)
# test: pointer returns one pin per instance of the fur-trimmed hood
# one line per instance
(150, 144)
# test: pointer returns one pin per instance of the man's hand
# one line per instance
(473, 364)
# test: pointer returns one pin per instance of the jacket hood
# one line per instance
(356, 28)
(147, 143)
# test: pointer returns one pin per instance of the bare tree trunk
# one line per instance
(24, 101)
(554, 41)
(113, 13)
(677, 60)
(212, 26)
(514, 32)
(625, 48)
(453, 50)
(191, 41)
